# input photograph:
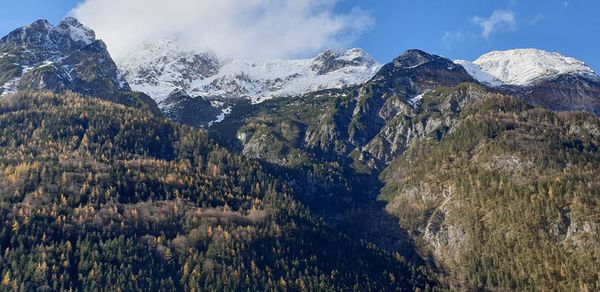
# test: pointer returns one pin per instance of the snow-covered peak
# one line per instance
(77, 31)
(523, 67)
(332, 60)
(66, 37)
(168, 48)
(164, 67)
(56, 58)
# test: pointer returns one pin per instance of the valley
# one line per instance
(174, 169)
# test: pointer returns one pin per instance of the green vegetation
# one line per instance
(99, 196)
(8, 69)
(501, 195)
(508, 199)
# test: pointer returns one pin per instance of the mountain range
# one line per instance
(174, 168)
(179, 79)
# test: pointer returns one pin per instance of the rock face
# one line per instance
(41, 56)
(563, 93)
(415, 72)
(331, 60)
(372, 123)
(378, 123)
(540, 78)
(196, 111)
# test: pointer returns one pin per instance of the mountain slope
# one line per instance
(96, 195)
(65, 57)
(331, 144)
(508, 199)
(476, 177)
(334, 123)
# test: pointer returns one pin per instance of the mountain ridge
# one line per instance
(162, 68)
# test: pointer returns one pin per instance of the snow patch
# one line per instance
(80, 34)
(479, 75)
(216, 103)
(10, 86)
(221, 117)
(414, 102)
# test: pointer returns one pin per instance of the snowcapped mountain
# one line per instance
(524, 67)
(65, 57)
(539, 78)
(163, 68)
(43, 56)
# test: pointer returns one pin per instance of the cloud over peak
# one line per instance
(246, 29)
(498, 20)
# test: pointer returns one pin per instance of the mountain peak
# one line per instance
(413, 58)
(40, 24)
(76, 30)
(332, 60)
(529, 66)
(69, 35)
(58, 58)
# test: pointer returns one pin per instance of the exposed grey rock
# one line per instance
(68, 56)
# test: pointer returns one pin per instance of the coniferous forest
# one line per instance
(99, 196)
(180, 170)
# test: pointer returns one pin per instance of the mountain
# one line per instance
(95, 195)
(427, 172)
(333, 143)
(507, 199)
(540, 78)
(524, 67)
(333, 123)
(68, 56)
(473, 175)
(164, 67)
(181, 79)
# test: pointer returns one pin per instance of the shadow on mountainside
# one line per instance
(354, 210)
(346, 200)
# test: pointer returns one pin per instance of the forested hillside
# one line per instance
(508, 199)
(98, 196)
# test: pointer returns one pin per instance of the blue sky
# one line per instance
(448, 28)
(457, 29)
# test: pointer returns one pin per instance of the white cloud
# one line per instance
(538, 18)
(248, 29)
(499, 19)
(452, 37)
(458, 39)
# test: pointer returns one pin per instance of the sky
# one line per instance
(267, 29)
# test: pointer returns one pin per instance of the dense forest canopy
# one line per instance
(99, 196)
